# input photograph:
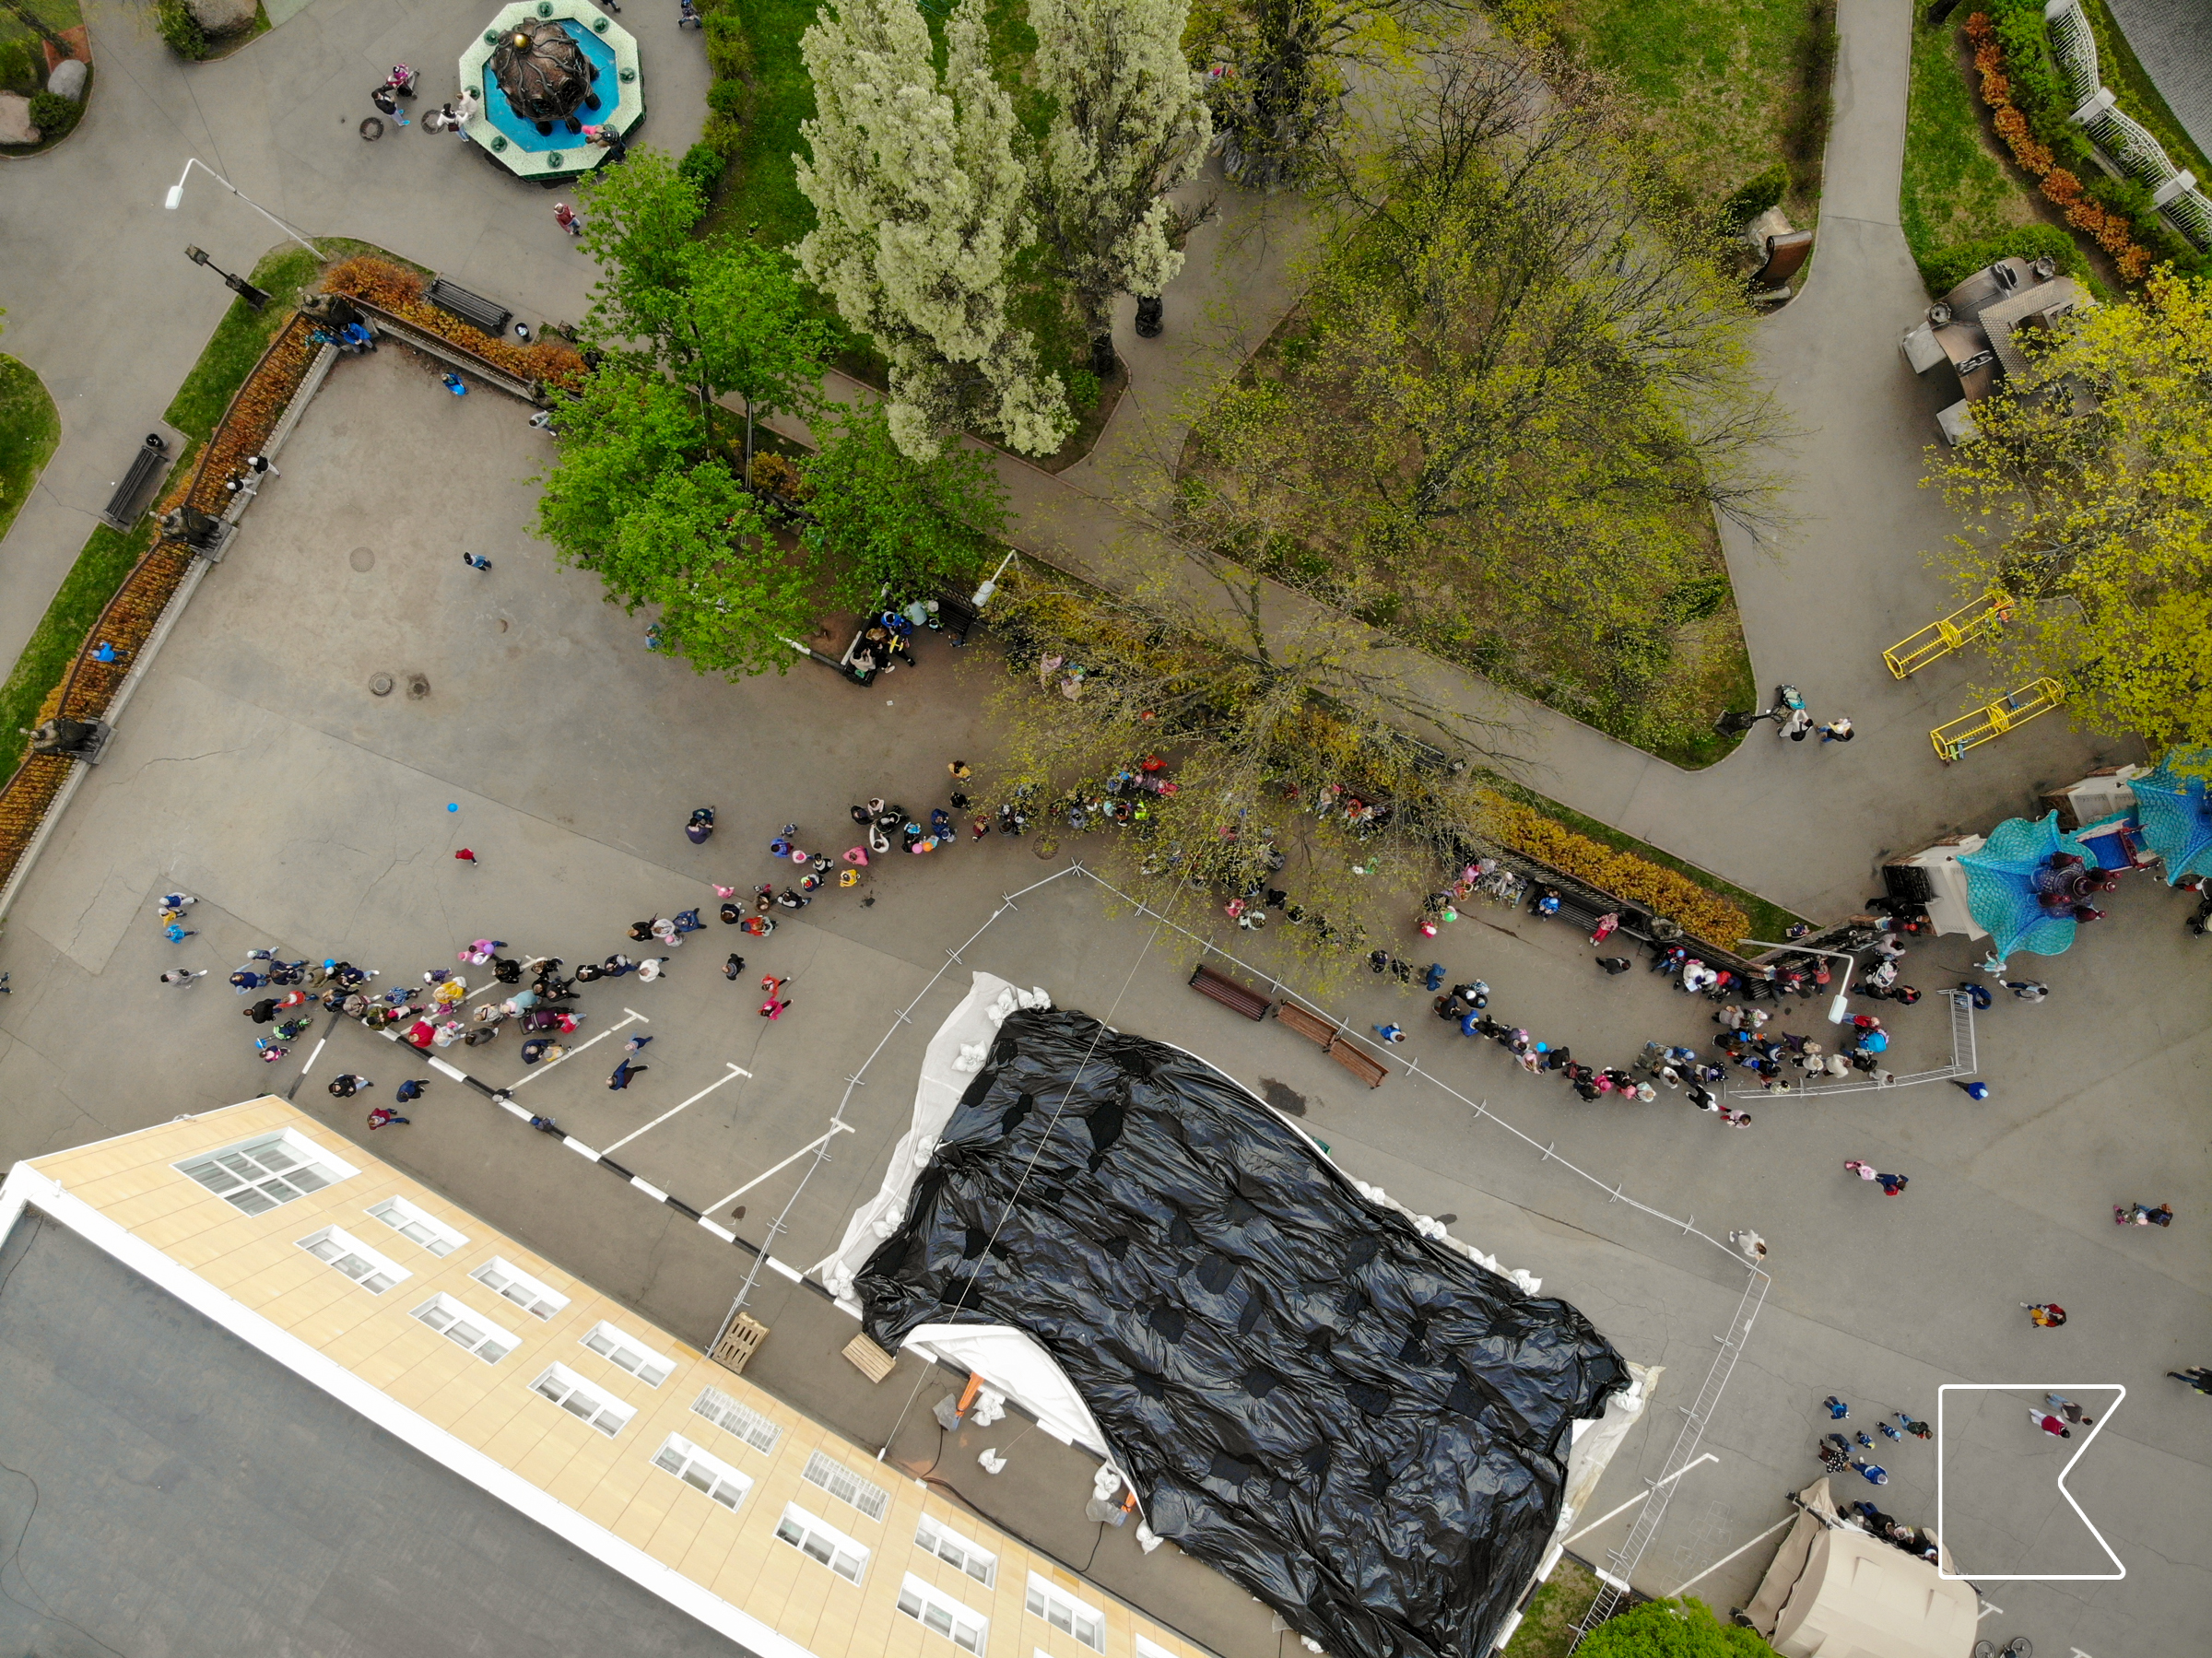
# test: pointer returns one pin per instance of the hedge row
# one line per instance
(1699, 912)
(396, 289)
(2022, 88)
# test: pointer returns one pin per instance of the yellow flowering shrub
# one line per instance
(1624, 874)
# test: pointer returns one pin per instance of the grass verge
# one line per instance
(1548, 1629)
(108, 556)
(1738, 84)
(29, 428)
(1956, 186)
(759, 194)
(1767, 918)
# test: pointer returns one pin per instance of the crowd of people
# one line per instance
(1746, 1000)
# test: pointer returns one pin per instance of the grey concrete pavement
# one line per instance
(2172, 41)
(258, 771)
(101, 301)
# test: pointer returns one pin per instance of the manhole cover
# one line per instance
(380, 686)
(361, 558)
(417, 686)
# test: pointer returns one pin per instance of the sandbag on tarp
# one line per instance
(1366, 1430)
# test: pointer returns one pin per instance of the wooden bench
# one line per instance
(1333, 1041)
(472, 309)
(1358, 1061)
(1311, 1026)
(1236, 997)
(124, 505)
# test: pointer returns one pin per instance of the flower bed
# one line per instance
(1623, 875)
(2114, 232)
(400, 291)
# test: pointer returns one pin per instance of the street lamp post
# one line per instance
(255, 296)
(175, 199)
(1840, 1005)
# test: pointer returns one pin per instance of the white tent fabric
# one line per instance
(1946, 879)
(936, 1096)
(1011, 1363)
(1834, 1592)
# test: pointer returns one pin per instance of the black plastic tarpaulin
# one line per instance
(1364, 1428)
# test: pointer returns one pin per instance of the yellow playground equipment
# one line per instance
(1959, 628)
(2014, 708)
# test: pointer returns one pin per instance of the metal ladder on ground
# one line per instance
(1621, 1562)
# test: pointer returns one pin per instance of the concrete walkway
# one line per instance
(101, 301)
(1818, 608)
(1805, 825)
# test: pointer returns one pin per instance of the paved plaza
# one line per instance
(258, 770)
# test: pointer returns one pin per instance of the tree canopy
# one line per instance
(636, 495)
(1511, 402)
(886, 519)
(1672, 1629)
(2088, 496)
(920, 206)
(718, 313)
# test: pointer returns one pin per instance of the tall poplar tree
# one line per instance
(920, 205)
(1131, 125)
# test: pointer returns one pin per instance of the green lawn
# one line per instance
(760, 193)
(238, 342)
(107, 557)
(29, 428)
(1724, 79)
(1956, 189)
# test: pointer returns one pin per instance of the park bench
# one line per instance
(472, 309)
(1575, 910)
(124, 505)
(956, 616)
(1332, 1041)
(1238, 998)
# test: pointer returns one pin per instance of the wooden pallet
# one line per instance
(868, 1358)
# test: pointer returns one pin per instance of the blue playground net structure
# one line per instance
(2002, 888)
(2177, 818)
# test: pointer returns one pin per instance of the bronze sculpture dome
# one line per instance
(541, 69)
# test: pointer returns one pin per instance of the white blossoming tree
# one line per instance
(1131, 125)
(920, 205)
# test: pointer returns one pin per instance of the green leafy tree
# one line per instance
(1514, 397)
(1671, 1629)
(635, 496)
(718, 313)
(1128, 125)
(2089, 496)
(887, 520)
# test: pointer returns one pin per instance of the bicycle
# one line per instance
(2019, 1646)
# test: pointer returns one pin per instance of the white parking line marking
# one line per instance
(835, 1129)
(734, 1071)
(579, 1047)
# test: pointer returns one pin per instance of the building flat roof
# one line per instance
(195, 1498)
